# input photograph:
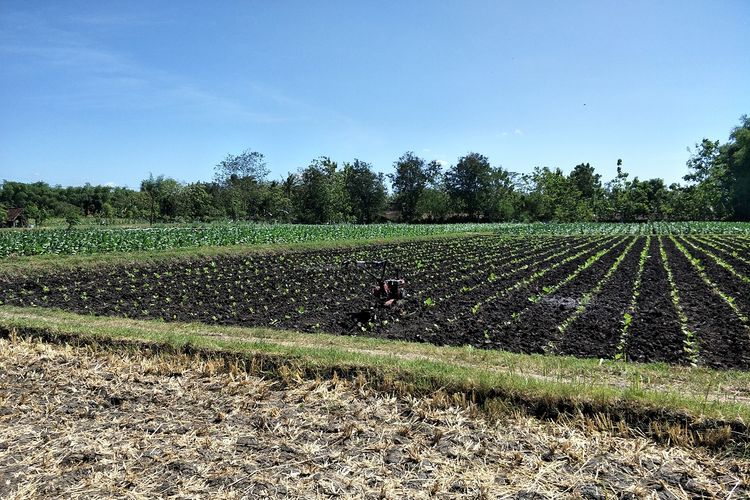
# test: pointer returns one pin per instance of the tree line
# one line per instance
(717, 187)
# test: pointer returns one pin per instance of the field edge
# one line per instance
(492, 380)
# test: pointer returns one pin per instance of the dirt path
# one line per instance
(76, 422)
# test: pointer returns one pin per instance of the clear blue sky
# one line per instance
(106, 92)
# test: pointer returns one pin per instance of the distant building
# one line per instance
(16, 218)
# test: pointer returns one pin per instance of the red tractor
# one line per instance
(387, 291)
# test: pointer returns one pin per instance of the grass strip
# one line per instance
(696, 399)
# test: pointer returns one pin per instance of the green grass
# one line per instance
(530, 380)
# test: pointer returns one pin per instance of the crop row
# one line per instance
(91, 241)
(674, 298)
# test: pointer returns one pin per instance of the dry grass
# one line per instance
(78, 422)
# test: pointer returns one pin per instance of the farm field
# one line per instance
(680, 299)
(591, 365)
(93, 240)
(154, 424)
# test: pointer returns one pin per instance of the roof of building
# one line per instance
(13, 214)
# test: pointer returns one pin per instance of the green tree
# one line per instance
(108, 212)
(469, 182)
(242, 178)
(33, 213)
(735, 154)
(554, 196)
(129, 204)
(248, 164)
(502, 202)
(617, 194)
(589, 192)
(194, 202)
(73, 217)
(321, 196)
(163, 196)
(709, 181)
(276, 205)
(585, 180)
(150, 187)
(365, 189)
(412, 175)
(435, 203)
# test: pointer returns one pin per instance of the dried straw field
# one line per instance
(92, 422)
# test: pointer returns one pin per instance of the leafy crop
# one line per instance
(93, 240)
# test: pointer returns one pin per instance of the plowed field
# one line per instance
(679, 299)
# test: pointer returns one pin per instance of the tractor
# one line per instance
(387, 291)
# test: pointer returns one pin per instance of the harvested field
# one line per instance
(78, 422)
(681, 300)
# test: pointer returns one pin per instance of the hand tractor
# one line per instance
(387, 291)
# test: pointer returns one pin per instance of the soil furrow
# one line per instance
(655, 334)
(536, 329)
(723, 341)
(728, 282)
(740, 266)
(453, 323)
(481, 330)
(596, 333)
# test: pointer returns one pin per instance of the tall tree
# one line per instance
(242, 176)
(320, 195)
(150, 187)
(469, 182)
(617, 192)
(247, 165)
(434, 202)
(366, 190)
(554, 196)
(194, 202)
(411, 177)
(585, 180)
(502, 203)
(709, 181)
(736, 156)
(162, 193)
(590, 192)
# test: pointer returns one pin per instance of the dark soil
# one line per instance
(726, 281)
(655, 333)
(446, 279)
(537, 325)
(454, 323)
(596, 332)
(723, 340)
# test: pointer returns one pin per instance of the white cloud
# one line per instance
(443, 163)
(426, 150)
(518, 131)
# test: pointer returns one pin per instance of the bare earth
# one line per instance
(81, 423)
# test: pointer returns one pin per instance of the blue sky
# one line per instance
(107, 92)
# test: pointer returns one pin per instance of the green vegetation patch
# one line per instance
(27, 242)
